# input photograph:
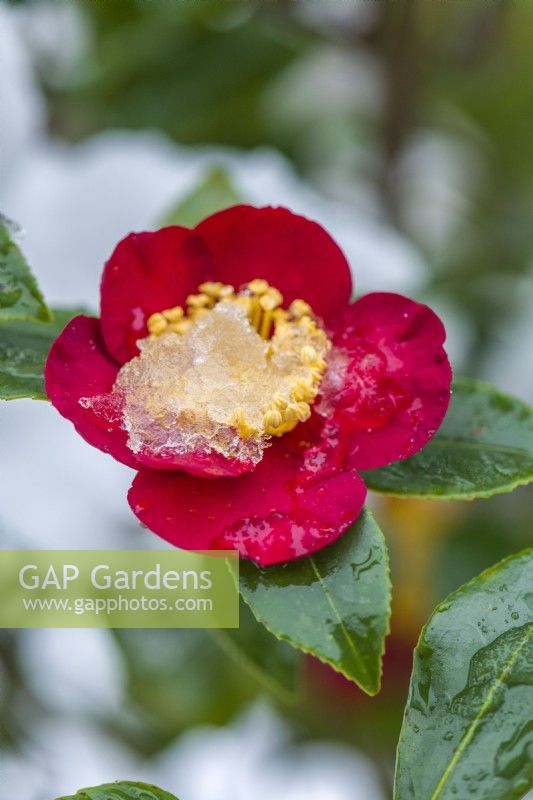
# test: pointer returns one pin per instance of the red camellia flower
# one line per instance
(230, 369)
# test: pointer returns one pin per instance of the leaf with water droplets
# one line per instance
(214, 193)
(23, 350)
(484, 447)
(121, 790)
(20, 297)
(467, 729)
(334, 604)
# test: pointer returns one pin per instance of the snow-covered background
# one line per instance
(73, 202)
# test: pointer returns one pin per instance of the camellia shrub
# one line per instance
(258, 401)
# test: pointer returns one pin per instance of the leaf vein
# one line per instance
(357, 656)
(476, 722)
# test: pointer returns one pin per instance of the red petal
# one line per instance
(207, 465)
(148, 272)
(292, 253)
(281, 511)
(78, 366)
(397, 386)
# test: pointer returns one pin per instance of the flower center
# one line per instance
(224, 374)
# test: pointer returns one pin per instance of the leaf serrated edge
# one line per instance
(351, 644)
(44, 313)
(373, 690)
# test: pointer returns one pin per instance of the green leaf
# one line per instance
(270, 661)
(20, 297)
(334, 604)
(214, 193)
(484, 447)
(23, 350)
(121, 790)
(467, 728)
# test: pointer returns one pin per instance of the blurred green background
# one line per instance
(419, 113)
(352, 92)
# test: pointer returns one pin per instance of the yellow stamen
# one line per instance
(269, 302)
(294, 357)
(266, 323)
(216, 289)
(279, 402)
(271, 299)
(291, 413)
(199, 300)
(258, 286)
(272, 420)
(240, 423)
(307, 324)
(181, 326)
(173, 314)
(198, 313)
(308, 354)
(316, 375)
(255, 313)
(245, 301)
(298, 308)
(303, 390)
(156, 323)
(279, 315)
(211, 288)
(303, 411)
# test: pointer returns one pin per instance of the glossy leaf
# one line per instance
(121, 790)
(20, 297)
(334, 604)
(214, 193)
(270, 661)
(23, 350)
(484, 447)
(467, 728)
